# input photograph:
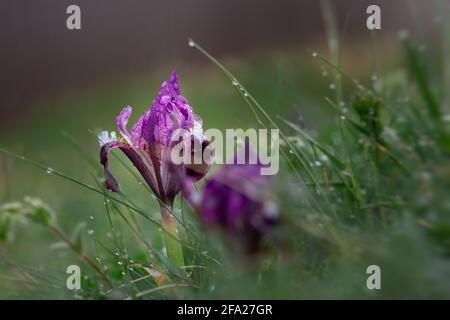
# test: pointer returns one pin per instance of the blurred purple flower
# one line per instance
(236, 199)
(148, 143)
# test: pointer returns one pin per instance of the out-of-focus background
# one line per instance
(41, 59)
(57, 85)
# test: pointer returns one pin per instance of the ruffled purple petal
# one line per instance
(138, 136)
(171, 87)
(237, 199)
(110, 182)
(140, 132)
(169, 111)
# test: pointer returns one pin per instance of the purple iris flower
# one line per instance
(148, 143)
(237, 199)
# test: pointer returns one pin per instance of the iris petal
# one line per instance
(237, 199)
(149, 141)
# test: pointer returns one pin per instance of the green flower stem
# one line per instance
(171, 237)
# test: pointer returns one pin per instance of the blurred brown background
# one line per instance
(41, 58)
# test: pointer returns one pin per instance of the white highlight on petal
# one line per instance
(105, 137)
(197, 129)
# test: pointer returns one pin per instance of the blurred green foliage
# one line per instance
(365, 181)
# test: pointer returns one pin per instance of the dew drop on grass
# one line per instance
(332, 86)
(403, 35)
(343, 118)
(119, 263)
(374, 77)
(291, 151)
(191, 43)
(90, 232)
(314, 54)
(234, 82)
(49, 170)
(91, 217)
(318, 163)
